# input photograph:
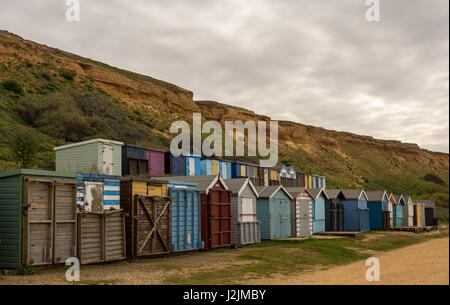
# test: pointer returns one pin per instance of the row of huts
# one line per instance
(46, 217)
(118, 159)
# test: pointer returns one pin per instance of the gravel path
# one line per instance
(426, 263)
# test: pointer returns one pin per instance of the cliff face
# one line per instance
(346, 159)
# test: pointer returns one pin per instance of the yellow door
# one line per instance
(310, 181)
(215, 169)
(157, 190)
(243, 171)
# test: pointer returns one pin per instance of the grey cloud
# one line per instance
(314, 62)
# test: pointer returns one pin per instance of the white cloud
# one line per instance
(319, 62)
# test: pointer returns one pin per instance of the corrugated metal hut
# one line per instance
(97, 156)
(320, 197)
(334, 211)
(408, 212)
(356, 213)
(215, 209)
(225, 169)
(398, 210)
(274, 212)
(98, 193)
(239, 169)
(193, 165)
(378, 205)
(175, 166)
(301, 212)
(186, 221)
(245, 227)
(429, 206)
(38, 223)
(134, 160)
(156, 161)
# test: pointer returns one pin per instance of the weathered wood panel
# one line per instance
(152, 232)
(101, 237)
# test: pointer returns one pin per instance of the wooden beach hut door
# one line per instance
(285, 226)
(49, 222)
(153, 218)
(65, 222)
(39, 223)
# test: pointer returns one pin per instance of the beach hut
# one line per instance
(320, 197)
(301, 212)
(274, 212)
(225, 169)
(318, 181)
(301, 180)
(245, 227)
(334, 211)
(239, 169)
(139, 198)
(263, 176)
(98, 156)
(419, 219)
(134, 160)
(38, 223)
(378, 205)
(193, 165)
(391, 205)
(398, 210)
(215, 202)
(274, 175)
(174, 166)
(252, 173)
(98, 193)
(429, 207)
(156, 161)
(408, 212)
(356, 213)
(209, 167)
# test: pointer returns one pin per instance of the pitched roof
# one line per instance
(427, 203)
(332, 194)
(259, 188)
(397, 198)
(375, 196)
(352, 194)
(236, 185)
(316, 192)
(203, 182)
(269, 191)
(295, 191)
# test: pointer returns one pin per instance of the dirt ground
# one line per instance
(426, 263)
(423, 263)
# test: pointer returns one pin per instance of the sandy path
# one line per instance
(426, 263)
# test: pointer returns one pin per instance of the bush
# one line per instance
(25, 270)
(13, 86)
(24, 145)
(434, 179)
(67, 75)
(46, 76)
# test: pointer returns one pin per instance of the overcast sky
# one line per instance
(314, 62)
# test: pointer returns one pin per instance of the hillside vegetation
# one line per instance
(60, 97)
